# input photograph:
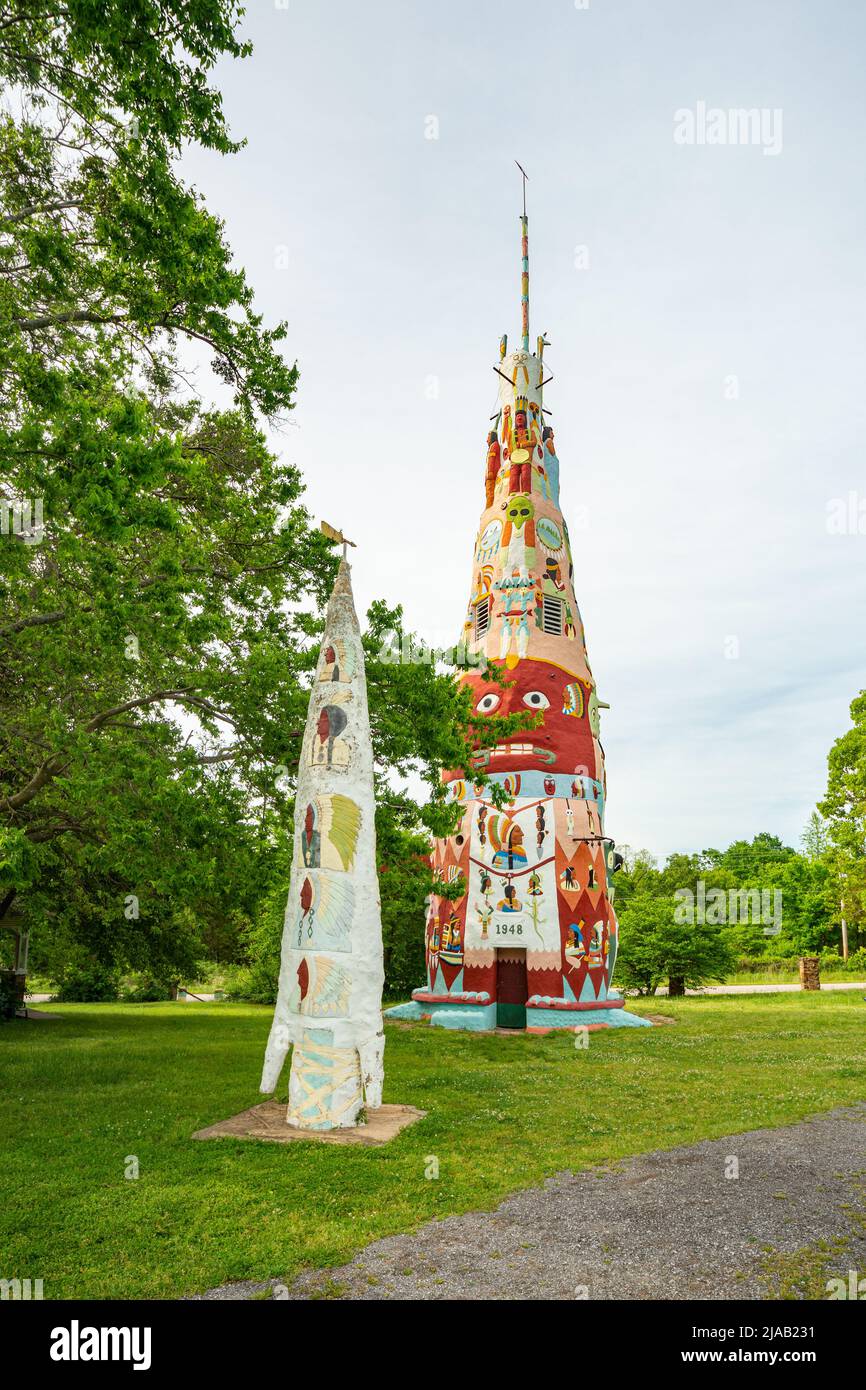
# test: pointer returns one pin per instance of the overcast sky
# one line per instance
(705, 306)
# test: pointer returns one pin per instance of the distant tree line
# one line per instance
(758, 904)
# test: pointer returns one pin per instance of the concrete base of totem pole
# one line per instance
(267, 1122)
(478, 1015)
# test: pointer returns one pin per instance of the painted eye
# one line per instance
(536, 699)
(487, 704)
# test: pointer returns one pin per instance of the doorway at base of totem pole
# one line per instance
(511, 988)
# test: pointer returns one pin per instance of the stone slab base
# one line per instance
(268, 1122)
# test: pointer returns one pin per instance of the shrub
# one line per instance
(251, 984)
(145, 989)
(654, 945)
(89, 983)
(766, 965)
(857, 963)
(8, 996)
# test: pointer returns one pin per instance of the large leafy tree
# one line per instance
(160, 581)
(654, 945)
(140, 593)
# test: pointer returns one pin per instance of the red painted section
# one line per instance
(545, 981)
(566, 1006)
(562, 742)
(423, 996)
(511, 977)
(479, 977)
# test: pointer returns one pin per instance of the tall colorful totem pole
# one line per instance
(532, 942)
(329, 1003)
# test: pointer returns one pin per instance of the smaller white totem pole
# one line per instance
(329, 1004)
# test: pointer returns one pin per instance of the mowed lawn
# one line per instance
(81, 1095)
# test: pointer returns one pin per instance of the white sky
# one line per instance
(395, 258)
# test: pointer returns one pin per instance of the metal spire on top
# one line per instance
(524, 276)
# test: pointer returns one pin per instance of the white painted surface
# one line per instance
(330, 993)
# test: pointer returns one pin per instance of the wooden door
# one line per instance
(511, 990)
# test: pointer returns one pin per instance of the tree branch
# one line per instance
(33, 208)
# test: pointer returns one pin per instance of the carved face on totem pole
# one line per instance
(563, 741)
(520, 510)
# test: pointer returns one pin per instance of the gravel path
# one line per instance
(663, 1225)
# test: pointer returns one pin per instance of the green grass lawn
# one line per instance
(79, 1095)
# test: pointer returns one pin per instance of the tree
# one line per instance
(654, 945)
(161, 584)
(147, 648)
(844, 807)
(810, 906)
(816, 837)
(638, 874)
(141, 569)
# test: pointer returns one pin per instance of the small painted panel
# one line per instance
(321, 918)
(489, 542)
(336, 661)
(512, 887)
(322, 987)
(329, 833)
(331, 747)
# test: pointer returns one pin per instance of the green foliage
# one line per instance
(157, 635)
(655, 946)
(806, 881)
(118, 57)
(816, 837)
(145, 989)
(8, 996)
(781, 966)
(152, 664)
(257, 981)
(87, 982)
(405, 881)
(844, 807)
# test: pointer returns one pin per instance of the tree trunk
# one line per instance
(676, 986)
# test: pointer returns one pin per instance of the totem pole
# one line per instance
(329, 1004)
(531, 944)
